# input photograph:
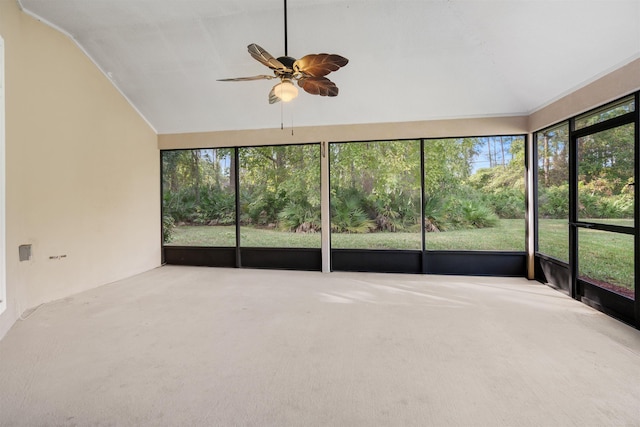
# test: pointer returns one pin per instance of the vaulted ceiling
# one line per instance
(409, 60)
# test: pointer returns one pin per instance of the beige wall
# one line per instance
(357, 132)
(616, 84)
(82, 175)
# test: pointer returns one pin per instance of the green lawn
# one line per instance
(225, 235)
(553, 238)
(508, 235)
(606, 257)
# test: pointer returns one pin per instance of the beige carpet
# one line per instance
(182, 346)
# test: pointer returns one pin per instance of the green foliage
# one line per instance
(448, 163)
(464, 214)
(348, 215)
(434, 214)
(458, 212)
(300, 216)
(168, 228)
(553, 156)
(478, 215)
(281, 183)
(262, 208)
(498, 191)
(210, 206)
(507, 203)
(498, 178)
(375, 185)
(220, 207)
(553, 202)
(594, 205)
(616, 207)
(396, 212)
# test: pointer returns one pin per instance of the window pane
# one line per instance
(606, 176)
(198, 198)
(553, 192)
(375, 195)
(605, 113)
(474, 193)
(606, 260)
(280, 196)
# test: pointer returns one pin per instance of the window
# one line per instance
(605, 113)
(198, 197)
(280, 196)
(606, 260)
(375, 195)
(474, 193)
(606, 176)
(553, 191)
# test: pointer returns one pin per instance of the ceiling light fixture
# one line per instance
(285, 90)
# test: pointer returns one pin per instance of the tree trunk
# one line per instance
(195, 173)
(232, 170)
(545, 159)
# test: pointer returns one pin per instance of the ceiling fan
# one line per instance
(309, 71)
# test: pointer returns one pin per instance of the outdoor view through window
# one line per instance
(473, 195)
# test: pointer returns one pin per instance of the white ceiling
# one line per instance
(409, 60)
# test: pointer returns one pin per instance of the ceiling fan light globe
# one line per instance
(285, 90)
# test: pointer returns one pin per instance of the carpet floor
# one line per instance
(189, 346)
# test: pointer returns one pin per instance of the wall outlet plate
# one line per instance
(24, 252)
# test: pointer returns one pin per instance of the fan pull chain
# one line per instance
(282, 116)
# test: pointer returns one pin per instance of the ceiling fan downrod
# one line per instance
(286, 50)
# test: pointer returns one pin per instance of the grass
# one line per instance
(553, 238)
(508, 235)
(605, 257)
(250, 237)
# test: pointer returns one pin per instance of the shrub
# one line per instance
(220, 207)
(261, 207)
(348, 215)
(300, 216)
(615, 207)
(434, 214)
(553, 202)
(168, 227)
(213, 205)
(507, 203)
(395, 212)
(478, 215)
(465, 214)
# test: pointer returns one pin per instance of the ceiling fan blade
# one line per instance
(265, 58)
(318, 86)
(318, 65)
(246, 79)
(272, 96)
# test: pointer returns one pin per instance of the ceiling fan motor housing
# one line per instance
(287, 61)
